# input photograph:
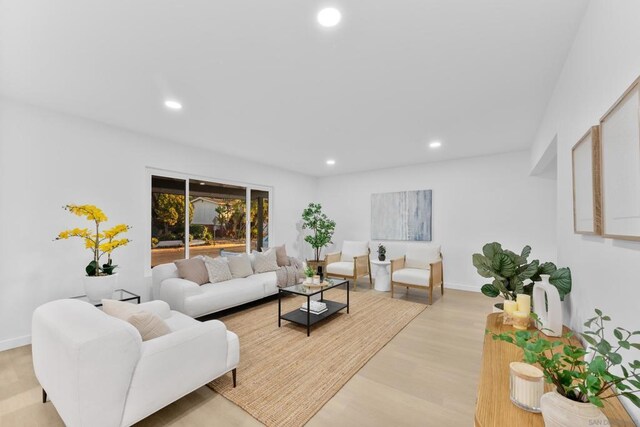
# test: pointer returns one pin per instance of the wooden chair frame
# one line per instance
(361, 267)
(436, 277)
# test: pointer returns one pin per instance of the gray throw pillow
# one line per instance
(193, 269)
(240, 266)
(218, 269)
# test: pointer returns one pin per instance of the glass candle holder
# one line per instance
(521, 320)
(526, 386)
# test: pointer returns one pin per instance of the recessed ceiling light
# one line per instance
(329, 17)
(202, 183)
(331, 162)
(435, 144)
(172, 104)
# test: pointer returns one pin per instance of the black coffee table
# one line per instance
(307, 318)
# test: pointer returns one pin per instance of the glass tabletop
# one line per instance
(118, 294)
(303, 289)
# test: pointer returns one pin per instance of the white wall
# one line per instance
(48, 160)
(475, 201)
(604, 60)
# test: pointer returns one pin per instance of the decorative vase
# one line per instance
(558, 411)
(382, 257)
(100, 287)
(549, 311)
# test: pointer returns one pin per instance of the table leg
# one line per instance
(308, 314)
(347, 297)
(279, 308)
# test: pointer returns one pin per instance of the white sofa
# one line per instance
(97, 371)
(198, 300)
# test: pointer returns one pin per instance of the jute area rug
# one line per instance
(284, 378)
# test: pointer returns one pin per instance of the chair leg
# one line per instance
(430, 294)
(44, 396)
(442, 289)
(392, 289)
(233, 374)
(370, 281)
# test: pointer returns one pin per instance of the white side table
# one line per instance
(382, 279)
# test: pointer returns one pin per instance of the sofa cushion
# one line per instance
(149, 325)
(265, 261)
(269, 281)
(119, 309)
(218, 269)
(421, 257)
(240, 266)
(340, 268)
(281, 255)
(219, 296)
(193, 269)
(412, 276)
(351, 249)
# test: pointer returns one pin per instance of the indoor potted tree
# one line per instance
(322, 229)
(512, 274)
(582, 383)
(100, 280)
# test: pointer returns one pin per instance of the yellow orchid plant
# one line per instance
(100, 243)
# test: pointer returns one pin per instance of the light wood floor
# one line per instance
(426, 376)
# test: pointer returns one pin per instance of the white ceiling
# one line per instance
(261, 80)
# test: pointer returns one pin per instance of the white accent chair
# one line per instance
(420, 268)
(350, 263)
(97, 371)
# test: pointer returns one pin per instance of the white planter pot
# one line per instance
(100, 287)
(558, 411)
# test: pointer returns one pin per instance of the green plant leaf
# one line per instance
(598, 365)
(490, 250)
(596, 401)
(615, 358)
(633, 398)
(526, 251)
(589, 339)
(561, 279)
(490, 290)
(529, 271)
(483, 265)
(547, 268)
(503, 265)
(624, 344)
(603, 347)
(92, 269)
(617, 333)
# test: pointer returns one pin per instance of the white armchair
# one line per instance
(97, 371)
(420, 268)
(350, 263)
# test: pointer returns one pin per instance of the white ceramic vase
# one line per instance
(100, 287)
(558, 411)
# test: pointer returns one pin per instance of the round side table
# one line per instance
(382, 279)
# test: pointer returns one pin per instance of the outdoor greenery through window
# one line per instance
(215, 217)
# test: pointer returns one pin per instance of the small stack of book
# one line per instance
(317, 307)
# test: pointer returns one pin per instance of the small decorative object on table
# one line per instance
(382, 252)
(581, 386)
(549, 311)
(510, 307)
(100, 281)
(526, 386)
(309, 273)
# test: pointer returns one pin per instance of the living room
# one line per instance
(287, 137)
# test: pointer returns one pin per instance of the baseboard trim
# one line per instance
(15, 342)
(460, 287)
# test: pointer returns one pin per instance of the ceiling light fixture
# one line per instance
(331, 162)
(202, 183)
(172, 104)
(435, 144)
(329, 17)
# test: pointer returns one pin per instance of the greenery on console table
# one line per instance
(317, 221)
(574, 377)
(511, 272)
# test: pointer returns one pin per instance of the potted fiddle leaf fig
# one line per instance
(513, 274)
(321, 227)
(582, 383)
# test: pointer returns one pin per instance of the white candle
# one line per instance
(524, 303)
(526, 386)
(510, 306)
(521, 320)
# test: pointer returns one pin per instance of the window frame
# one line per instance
(188, 177)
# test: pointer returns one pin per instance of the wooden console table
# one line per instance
(494, 408)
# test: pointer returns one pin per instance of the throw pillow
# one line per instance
(240, 266)
(218, 269)
(281, 255)
(422, 257)
(119, 309)
(150, 325)
(193, 270)
(265, 261)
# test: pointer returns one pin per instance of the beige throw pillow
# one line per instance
(218, 269)
(193, 269)
(150, 325)
(281, 255)
(240, 266)
(265, 262)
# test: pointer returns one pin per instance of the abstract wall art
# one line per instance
(402, 215)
